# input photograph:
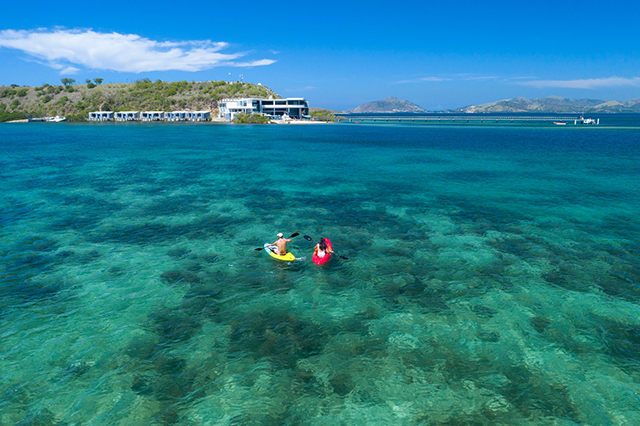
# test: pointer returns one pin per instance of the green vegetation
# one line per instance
(10, 115)
(251, 119)
(324, 115)
(75, 101)
(8, 93)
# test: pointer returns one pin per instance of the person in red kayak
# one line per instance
(281, 244)
(322, 249)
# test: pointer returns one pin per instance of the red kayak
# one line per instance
(324, 259)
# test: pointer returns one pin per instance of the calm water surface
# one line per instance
(492, 274)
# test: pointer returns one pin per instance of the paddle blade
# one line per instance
(258, 249)
(295, 234)
(308, 238)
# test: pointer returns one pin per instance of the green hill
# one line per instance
(77, 100)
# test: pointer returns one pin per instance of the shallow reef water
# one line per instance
(490, 275)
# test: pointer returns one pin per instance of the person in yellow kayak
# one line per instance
(281, 244)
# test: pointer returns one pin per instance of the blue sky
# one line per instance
(336, 54)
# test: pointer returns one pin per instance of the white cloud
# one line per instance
(69, 70)
(423, 79)
(303, 89)
(66, 49)
(481, 77)
(591, 83)
(454, 77)
(258, 63)
(433, 79)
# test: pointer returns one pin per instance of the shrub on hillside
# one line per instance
(251, 119)
(8, 116)
(7, 93)
(324, 115)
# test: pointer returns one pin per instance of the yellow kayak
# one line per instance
(287, 257)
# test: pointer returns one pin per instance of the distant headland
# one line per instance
(551, 104)
(389, 105)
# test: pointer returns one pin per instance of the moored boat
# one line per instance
(588, 120)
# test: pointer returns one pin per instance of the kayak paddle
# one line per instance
(308, 238)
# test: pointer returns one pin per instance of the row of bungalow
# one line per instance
(149, 116)
(288, 108)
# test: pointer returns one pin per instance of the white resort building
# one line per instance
(187, 116)
(176, 116)
(152, 116)
(199, 115)
(276, 108)
(101, 116)
(149, 116)
(127, 116)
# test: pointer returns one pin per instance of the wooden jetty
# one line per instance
(446, 118)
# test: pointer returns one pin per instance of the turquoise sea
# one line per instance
(492, 274)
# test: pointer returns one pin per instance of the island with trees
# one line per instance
(75, 101)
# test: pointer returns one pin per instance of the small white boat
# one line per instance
(56, 119)
(559, 123)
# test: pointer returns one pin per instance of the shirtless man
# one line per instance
(281, 244)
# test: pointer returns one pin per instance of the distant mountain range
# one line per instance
(388, 105)
(554, 104)
(551, 104)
